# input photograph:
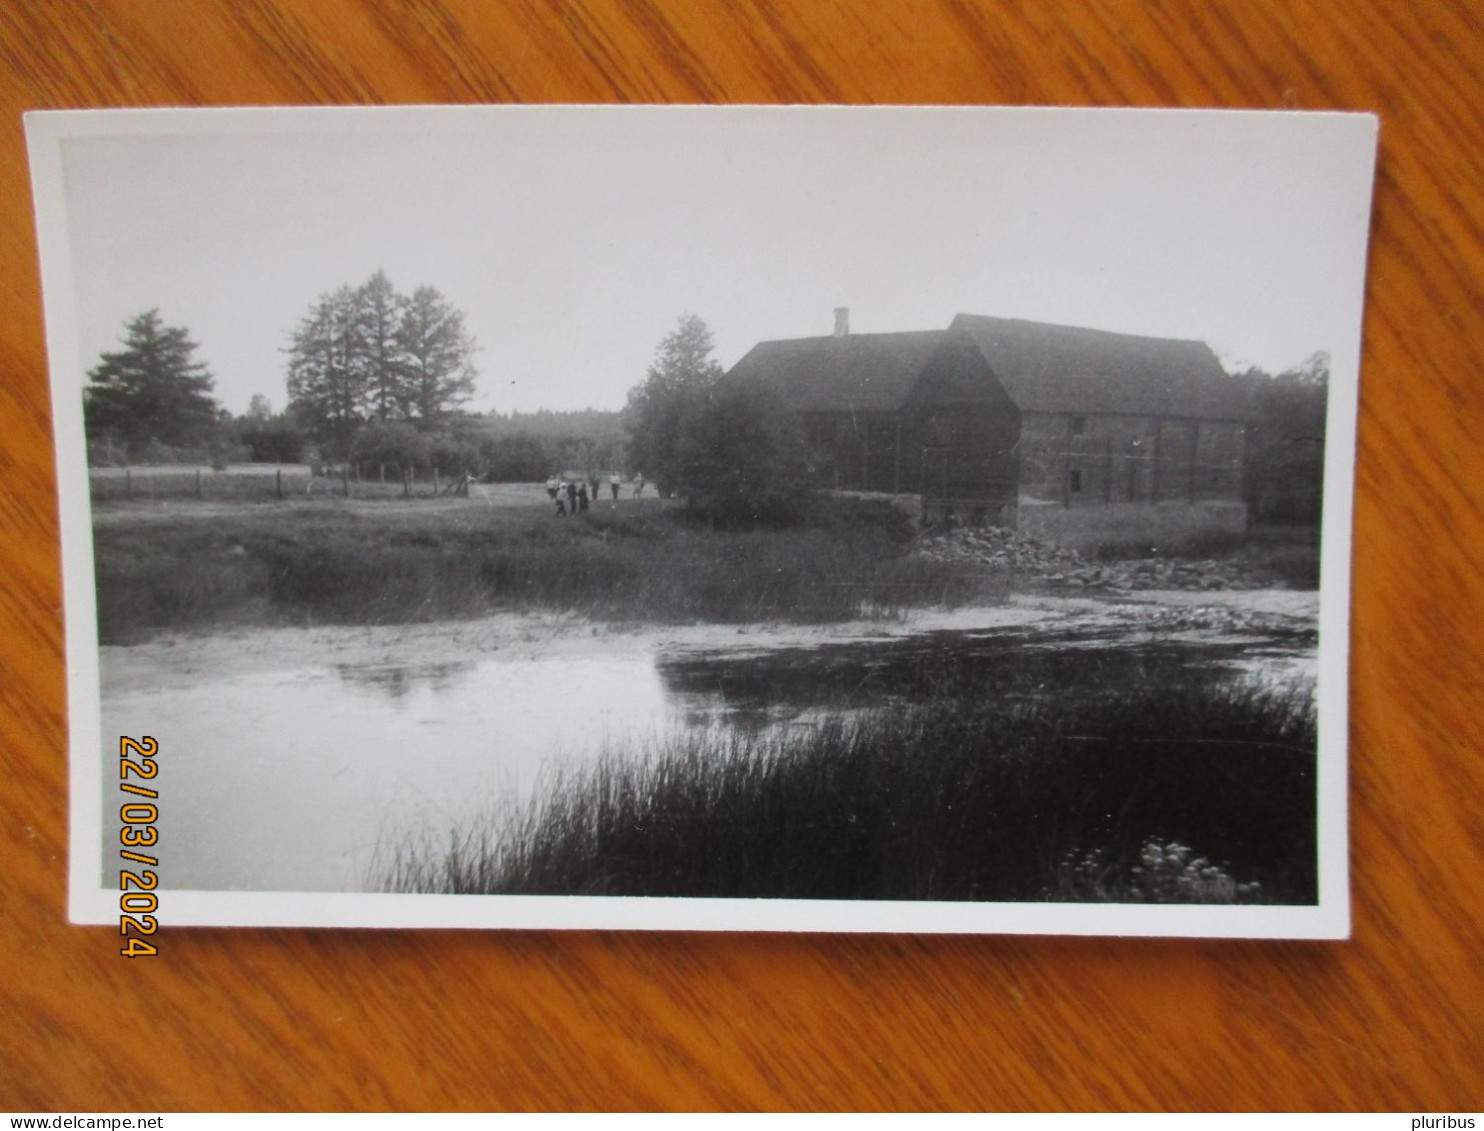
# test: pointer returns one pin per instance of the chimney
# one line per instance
(842, 321)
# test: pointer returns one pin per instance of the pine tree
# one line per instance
(151, 391)
(680, 378)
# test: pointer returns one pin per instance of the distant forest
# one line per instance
(590, 422)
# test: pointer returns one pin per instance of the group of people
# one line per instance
(572, 496)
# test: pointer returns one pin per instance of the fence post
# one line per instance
(278, 481)
(407, 483)
(128, 484)
(435, 482)
(198, 484)
(345, 478)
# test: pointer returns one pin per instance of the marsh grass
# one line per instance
(957, 799)
(327, 564)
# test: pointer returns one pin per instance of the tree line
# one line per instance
(374, 378)
(361, 357)
(377, 378)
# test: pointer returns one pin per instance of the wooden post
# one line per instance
(1066, 471)
(128, 484)
(278, 482)
(198, 483)
(381, 469)
(345, 478)
(407, 483)
(1108, 468)
(897, 479)
(1154, 465)
(1195, 447)
(435, 482)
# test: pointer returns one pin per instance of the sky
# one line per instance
(574, 238)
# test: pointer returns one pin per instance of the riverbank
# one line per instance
(202, 567)
(333, 564)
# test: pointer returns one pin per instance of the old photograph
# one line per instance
(890, 519)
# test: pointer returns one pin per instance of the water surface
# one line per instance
(289, 780)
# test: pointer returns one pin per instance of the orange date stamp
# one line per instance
(139, 812)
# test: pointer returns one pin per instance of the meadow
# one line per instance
(199, 566)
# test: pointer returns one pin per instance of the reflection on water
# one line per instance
(400, 680)
(289, 780)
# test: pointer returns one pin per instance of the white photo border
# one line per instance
(91, 903)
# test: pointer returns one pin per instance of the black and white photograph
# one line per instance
(752, 518)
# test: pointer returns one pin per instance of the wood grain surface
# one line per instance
(250, 1019)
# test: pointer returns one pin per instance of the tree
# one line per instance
(380, 310)
(680, 377)
(435, 357)
(259, 408)
(1285, 445)
(153, 391)
(367, 353)
(326, 375)
(743, 458)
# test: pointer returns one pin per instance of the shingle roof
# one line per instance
(1048, 368)
(864, 372)
(1044, 368)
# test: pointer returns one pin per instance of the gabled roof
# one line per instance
(1043, 368)
(1048, 368)
(859, 372)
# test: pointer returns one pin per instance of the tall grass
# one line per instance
(959, 799)
(325, 564)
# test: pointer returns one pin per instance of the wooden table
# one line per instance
(362, 1019)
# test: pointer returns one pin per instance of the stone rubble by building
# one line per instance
(1005, 551)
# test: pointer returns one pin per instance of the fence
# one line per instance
(253, 482)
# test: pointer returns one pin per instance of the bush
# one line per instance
(393, 443)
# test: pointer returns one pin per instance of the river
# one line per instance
(287, 762)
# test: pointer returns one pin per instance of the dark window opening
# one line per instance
(1076, 479)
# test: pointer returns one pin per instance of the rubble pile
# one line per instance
(1222, 619)
(1001, 550)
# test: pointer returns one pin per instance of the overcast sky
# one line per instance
(574, 238)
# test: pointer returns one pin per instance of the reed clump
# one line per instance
(1204, 793)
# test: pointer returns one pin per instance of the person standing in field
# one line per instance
(556, 493)
(638, 484)
(571, 498)
(613, 484)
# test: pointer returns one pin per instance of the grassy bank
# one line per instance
(324, 563)
(1192, 794)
